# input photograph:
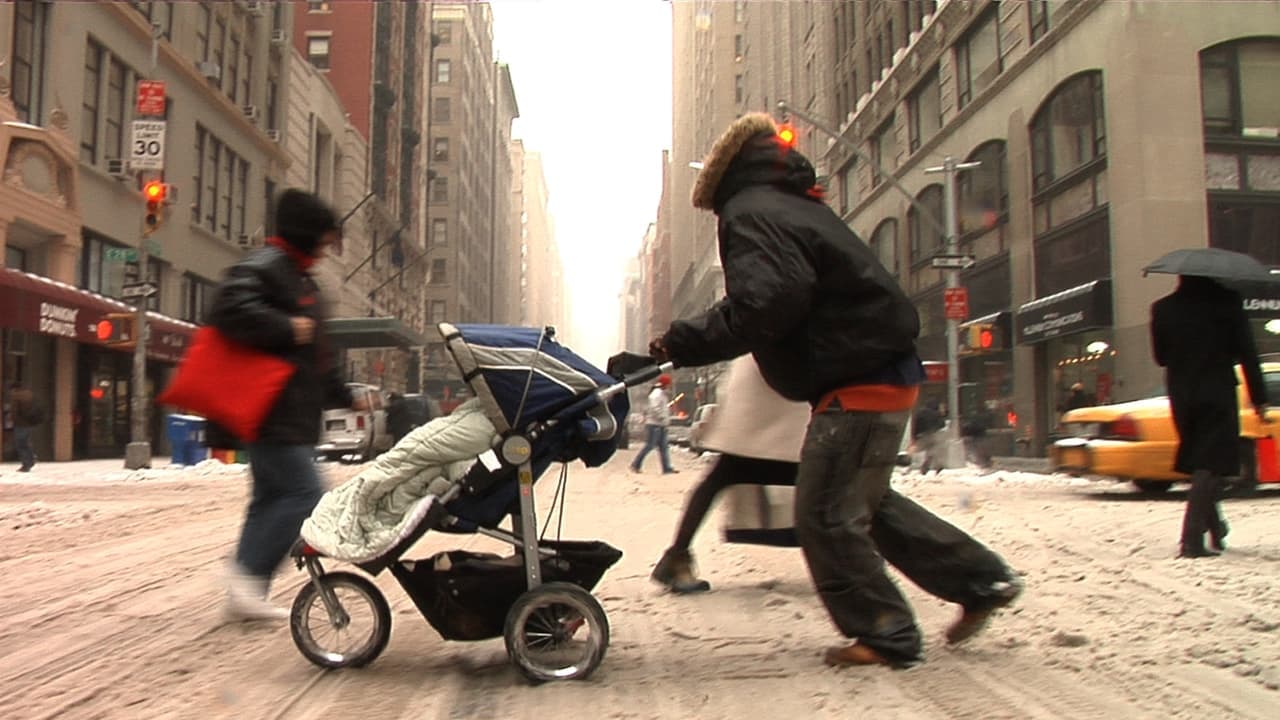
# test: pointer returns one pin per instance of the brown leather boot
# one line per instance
(676, 571)
(855, 654)
(973, 620)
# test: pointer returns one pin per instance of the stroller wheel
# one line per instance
(556, 631)
(351, 632)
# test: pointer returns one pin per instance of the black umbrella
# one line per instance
(1216, 263)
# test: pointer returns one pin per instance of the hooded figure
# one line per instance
(1198, 334)
(828, 325)
(270, 302)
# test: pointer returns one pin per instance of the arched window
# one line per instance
(884, 243)
(925, 237)
(1069, 200)
(1069, 131)
(1237, 88)
(984, 190)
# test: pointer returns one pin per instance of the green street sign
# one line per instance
(121, 254)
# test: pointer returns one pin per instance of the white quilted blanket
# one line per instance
(367, 515)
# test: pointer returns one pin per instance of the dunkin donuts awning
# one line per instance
(33, 303)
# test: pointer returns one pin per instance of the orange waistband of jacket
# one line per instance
(871, 398)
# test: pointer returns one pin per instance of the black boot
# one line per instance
(1218, 536)
(676, 571)
(1197, 551)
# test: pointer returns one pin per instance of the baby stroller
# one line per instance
(546, 405)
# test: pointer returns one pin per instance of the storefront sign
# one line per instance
(1080, 308)
(58, 320)
(1261, 299)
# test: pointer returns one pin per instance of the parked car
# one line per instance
(678, 431)
(361, 435)
(1137, 441)
(701, 424)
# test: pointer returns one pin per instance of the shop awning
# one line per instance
(1079, 308)
(37, 304)
(352, 333)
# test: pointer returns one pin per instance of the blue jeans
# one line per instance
(22, 443)
(286, 488)
(655, 437)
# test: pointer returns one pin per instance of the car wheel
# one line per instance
(1153, 486)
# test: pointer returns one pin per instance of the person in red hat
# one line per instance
(657, 417)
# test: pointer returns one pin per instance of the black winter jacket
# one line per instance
(253, 306)
(803, 293)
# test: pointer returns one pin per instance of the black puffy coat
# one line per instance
(1199, 333)
(253, 307)
(803, 294)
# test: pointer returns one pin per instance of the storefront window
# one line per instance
(1087, 358)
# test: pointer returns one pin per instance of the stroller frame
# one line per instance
(570, 605)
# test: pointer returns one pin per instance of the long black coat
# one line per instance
(1199, 333)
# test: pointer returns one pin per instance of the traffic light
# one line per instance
(981, 337)
(155, 194)
(787, 134)
(115, 329)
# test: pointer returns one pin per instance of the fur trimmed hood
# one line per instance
(722, 154)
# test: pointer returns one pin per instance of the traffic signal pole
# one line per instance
(949, 226)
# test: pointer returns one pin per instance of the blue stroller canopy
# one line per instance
(522, 375)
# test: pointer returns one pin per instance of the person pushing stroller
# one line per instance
(828, 325)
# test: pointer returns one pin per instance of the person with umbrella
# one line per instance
(1198, 334)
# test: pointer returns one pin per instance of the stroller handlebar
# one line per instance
(638, 377)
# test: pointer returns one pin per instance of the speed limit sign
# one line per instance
(146, 148)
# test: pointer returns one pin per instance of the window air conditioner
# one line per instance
(250, 112)
(117, 168)
(253, 8)
(210, 71)
(273, 135)
(277, 37)
(244, 241)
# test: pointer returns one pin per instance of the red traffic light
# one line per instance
(986, 339)
(105, 329)
(153, 192)
(787, 134)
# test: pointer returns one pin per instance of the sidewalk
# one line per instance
(113, 470)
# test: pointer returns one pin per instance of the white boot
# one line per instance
(246, 598)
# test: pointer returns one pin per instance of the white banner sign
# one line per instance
(146, 148)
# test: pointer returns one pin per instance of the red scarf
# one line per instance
(301, 259)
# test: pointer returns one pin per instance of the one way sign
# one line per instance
(136, 290)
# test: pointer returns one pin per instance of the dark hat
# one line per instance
(301, 218)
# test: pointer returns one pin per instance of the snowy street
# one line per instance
(112, 598)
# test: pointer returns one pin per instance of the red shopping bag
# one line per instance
(1268, 464)
(230, 384)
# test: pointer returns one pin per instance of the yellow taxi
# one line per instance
(1137, 441)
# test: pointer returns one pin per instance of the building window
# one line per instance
(197, 294)
(30, 20)
(439, 232)
(884, 243)
(924, 106)
(439, 272)
(739, 88)
(1040, 13)
(884, 151)
(978, 61)
(926, 237)
(740, 11)
(1069, 131)
(443, 70)
(1073, 256)
(437, 312)
(217, 47)
(89, 108)
(197, 180)
(984, 190)
(1237, 87)
(440, 150)
(202, 31)
(739, 47)
(848, 187)
(269, 196)
(242, 197)
(441, 110)
(114, 120)
(319, 6)
(232, 85)
(228, 191)
(443, 32)
(440, 189)
(1251, 227)
(318, 51)
(273, 102)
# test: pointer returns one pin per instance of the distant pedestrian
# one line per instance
(1198, 334)
(829, 325)
(27, 416)
(928, 427)
(269, 301)
(657, 418)
(1077, 398)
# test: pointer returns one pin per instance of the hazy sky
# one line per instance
(593, 80)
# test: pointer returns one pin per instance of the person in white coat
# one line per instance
(657, 417)
(760, 435)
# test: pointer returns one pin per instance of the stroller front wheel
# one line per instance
(556, 631)
(348, 628)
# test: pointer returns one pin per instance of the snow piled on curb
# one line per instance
(110, 471)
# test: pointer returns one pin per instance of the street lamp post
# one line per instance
(949, 227)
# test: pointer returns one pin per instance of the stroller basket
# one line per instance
(466, 595)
